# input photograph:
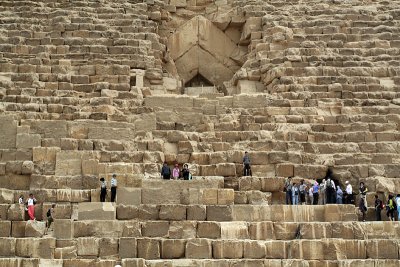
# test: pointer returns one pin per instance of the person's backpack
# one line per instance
(48, 214)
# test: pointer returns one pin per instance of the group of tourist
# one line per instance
(103, 188)
(177, 173)
(29, 207)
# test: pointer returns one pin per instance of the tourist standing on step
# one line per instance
(165, 172)
(315, 193)
(295, 194)
(302, 191)
(330, 191)
(363, 208)
(349, 193)
(363, 193)
(397, 202)
(185, 172)
(31, 207)
(288, 189)
(310, 194)
(103, 189)
(21, 199)
(378, 208)
(339, 195)
(176, 172)
(246, 165)
(390, 208)
(113, 187)
(50, 216)
(322, 192)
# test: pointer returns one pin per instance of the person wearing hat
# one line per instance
(349, 193)
(103, 189)
(113, 187)
(175, 172)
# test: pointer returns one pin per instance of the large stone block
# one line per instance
(16, 212)
(172, 212)
(88, 246)
(96, 211)
(173, 248)
(5, 228)
(35, 247)
(227, 249)
(63, 229)
(196, 212)
(155, 228)
(129, 196)
(226, 197)
(208, 230)
(108, 247)
(198, 249)
(219, 213)
(382, 249)
(148, 249)
(6, 196)
(261, 230)
(127, 247)
(35, 228)
(133, 263)
(18, 229)
(182, 229)
(254, 249)
(26, 141)
(157, 196)
(7, 247)
(8, 134)
(234, 230)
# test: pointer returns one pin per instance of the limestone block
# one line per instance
(209, 196)
(133, 263)
(155, 228)
(182, 229)
(125, 212)
(28, 140)
(382, 249)
(240, 197)
(68, 163)
(99, 228)
(129, 196)
(225, 169)
(234, 230)
(27, 167)
(261, 230)
(208, 230)
(254, 249)
(8, 134)
(259, 198)
(5, 228)
(88, 246)
(148, 249)
(127, 247)
(285, 170)
(63, 229)
(252, 213)
(80, 262)
(196, 212)
(172, 212)
(47, 154)
(164, 101)
(173, 248)
(227, 249)
(18, 229)
(108, 247)
(35, 247)
(7, 247)
(50, 263)
(315, 230)
(16, 212)
(276, 249)
(6, 196)
(131, 229)
(219, 213)
(226, 196)
(160, 196)
(198, 249)
(148, 212)
(249, 183)
(34, 228)
(96, 211)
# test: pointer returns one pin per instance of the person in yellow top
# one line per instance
(390, 207)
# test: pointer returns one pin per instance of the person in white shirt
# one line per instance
(113, 187)
(21, 199)
(349, 193)
(31, 206)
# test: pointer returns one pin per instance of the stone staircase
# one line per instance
(80, 99)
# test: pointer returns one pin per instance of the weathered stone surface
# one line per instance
(63, 229)
(148, 248)
(35, 228)
(96, 211)
(129, 196)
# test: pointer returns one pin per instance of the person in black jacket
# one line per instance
(185, 172)
(166, 172)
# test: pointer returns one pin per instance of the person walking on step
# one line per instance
(363, 193)
(330, 191)
(302, 191)
(339, 195)
(295, 194)
(246, 165)
(315, 193)
(397, 202)
(288, 189)
(50, 216)
(378, 208)
(103, 189)
(349, 193)
(165, 172)
(113, 187)
(390, 208)
(31, 206)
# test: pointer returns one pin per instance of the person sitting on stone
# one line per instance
(165, 172)
(185, 172)
(103, 189)
(31, 207)
(339, 195)
(176, 172)
(246, 165)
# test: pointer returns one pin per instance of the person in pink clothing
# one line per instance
(31, 207)
(176, 172)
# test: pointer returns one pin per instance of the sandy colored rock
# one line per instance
(96, 211)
